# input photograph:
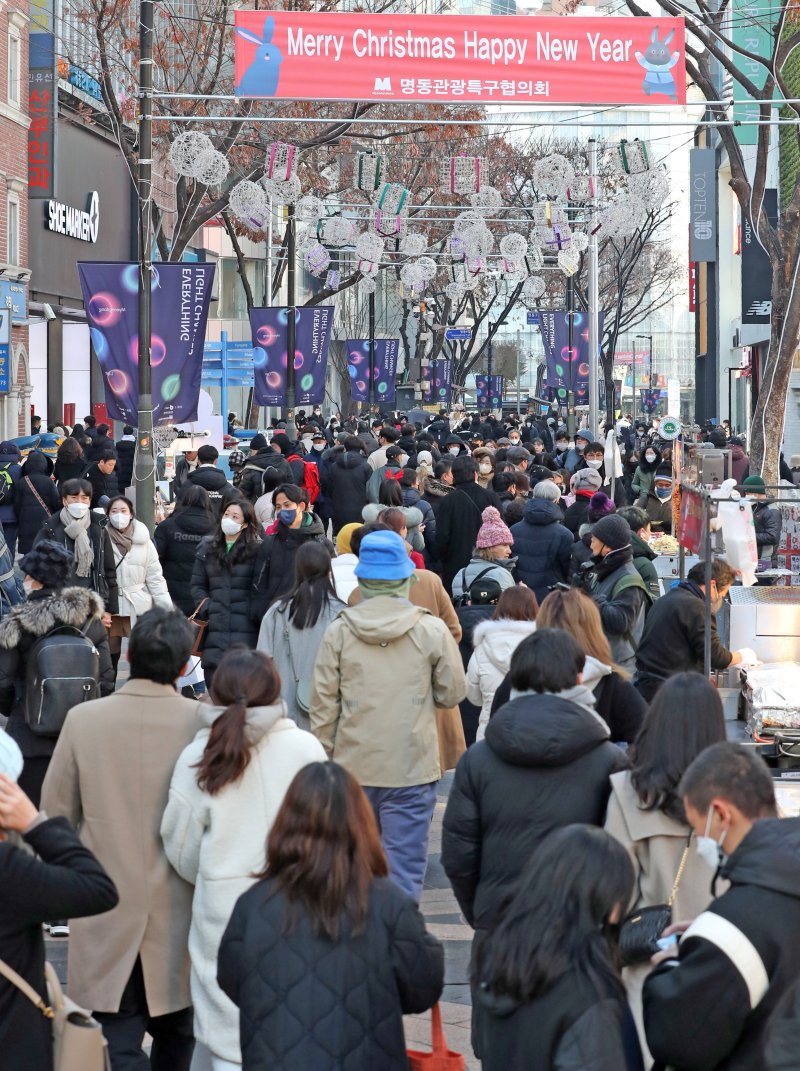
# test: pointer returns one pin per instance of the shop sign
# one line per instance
(313, 55)
(5, 350)
(756, 269)
(42, 105)
(702, 205)
(74, 222)
(753, 25)
(14, 296)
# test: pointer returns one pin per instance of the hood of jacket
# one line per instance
(36, 461)
(737, 453)
(437, 488)
(141, 533)
(381, 619)
(593, 672)
(264, 457)
(640, 548)
(769, 857)
(544, 730)
(70, 606)
(350, 459)
(539, 511)
(499, 639)
(208, 476)
(258, 720)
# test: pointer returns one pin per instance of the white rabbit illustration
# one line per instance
(658, 62)
(261, 77)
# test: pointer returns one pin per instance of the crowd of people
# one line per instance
(223, 744)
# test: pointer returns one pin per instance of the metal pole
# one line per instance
(633, 380)
(518, 383)
(371, 395)
(594, 301)
(291, 310)
(571, 418)
(223, 353)
(489, 358)
(707, 583)
(145, 467)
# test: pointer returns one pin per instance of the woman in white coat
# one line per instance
(495, 642)
(226, 790)
(140, 579)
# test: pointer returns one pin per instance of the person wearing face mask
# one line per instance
(455, 446)
(223, 583)
(646, 814)
(88, 542)
(594, 458)
(53, 601)
(644, 476)
(396, 460)
(710, 1003)
(295, 524)
(140, 580)
(486, 466)
(674, 633)
(659, 499)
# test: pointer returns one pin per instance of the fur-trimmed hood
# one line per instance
(70, 606)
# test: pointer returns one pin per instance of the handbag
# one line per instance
(199, 628)
(302, 689)
(440, 1058)
(78, 1042)
(641, 930)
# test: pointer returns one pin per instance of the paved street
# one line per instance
(444, 920)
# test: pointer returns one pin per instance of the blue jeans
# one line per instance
(404, 819)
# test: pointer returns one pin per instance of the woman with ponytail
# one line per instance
(226, 790)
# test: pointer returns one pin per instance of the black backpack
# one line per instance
(63, 670)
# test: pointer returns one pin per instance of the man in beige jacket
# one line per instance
(110, 776)
(382, 669)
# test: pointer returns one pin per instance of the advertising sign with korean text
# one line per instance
(311, 55)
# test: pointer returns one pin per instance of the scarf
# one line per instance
(122, 538)
(78, 532)
(370, 588)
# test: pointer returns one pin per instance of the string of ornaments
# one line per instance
(558, 228)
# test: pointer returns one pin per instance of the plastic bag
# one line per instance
(739, 534)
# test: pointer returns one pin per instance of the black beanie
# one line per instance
(613, 531)
(48, 562)
(258, 442)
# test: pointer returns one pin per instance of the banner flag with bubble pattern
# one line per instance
(312, 336)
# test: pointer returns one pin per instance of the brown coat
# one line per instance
(427, 591)
(655, 844)
(110, 776)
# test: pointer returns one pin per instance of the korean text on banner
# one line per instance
(270, 336)
(180, 297)
(310, 55)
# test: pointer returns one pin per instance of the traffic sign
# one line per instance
(458, 334)
(533, 317)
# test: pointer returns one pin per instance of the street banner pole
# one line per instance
(594, 299)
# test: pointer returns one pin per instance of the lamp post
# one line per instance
(145, 467)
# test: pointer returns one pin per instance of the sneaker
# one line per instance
(58, 929)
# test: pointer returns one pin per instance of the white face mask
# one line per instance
(593, 464)
(650, 457)
(78, 510)
(485, 468)
(28, 587)
(514, 442)
(454, 450)
(319, 447)
(709, 849)
(562, 445)
(229, 526)
(120, 520)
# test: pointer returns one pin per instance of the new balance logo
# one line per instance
(760, 308)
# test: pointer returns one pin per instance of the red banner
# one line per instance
(307, 55)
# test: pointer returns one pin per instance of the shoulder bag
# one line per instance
(441, 1058)
(78, 1042)
(641, 930)
(302, 689)
(199, 628)
(37, 496)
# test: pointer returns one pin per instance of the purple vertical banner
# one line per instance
(442, 387)
(428, 376)
(312, 337)
(357, 350)
(495, 400)
(180, 298)
(481, 391)
(269, 327)
(567, 369)
(386, 368)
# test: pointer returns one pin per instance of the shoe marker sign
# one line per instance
(307, 55)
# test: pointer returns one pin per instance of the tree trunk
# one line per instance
(608, 379)
(766, 429)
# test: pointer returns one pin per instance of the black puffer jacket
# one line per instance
(274, 572)
(544, 763)
(102, 576)
(104, 484)
(458, 521)
(31, 515)
(344, 484)
(307, 1002)
(126, 454)
(99, 444)
(571, 1026)
(227, 584)
(19, 631)
(768, 523)
(577, 514)
(543, 547)
(252, 482)
(213, 480)
(59, 878)
(177, 539)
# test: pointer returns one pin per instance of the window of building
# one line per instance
(13, 68)
(12, 229)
